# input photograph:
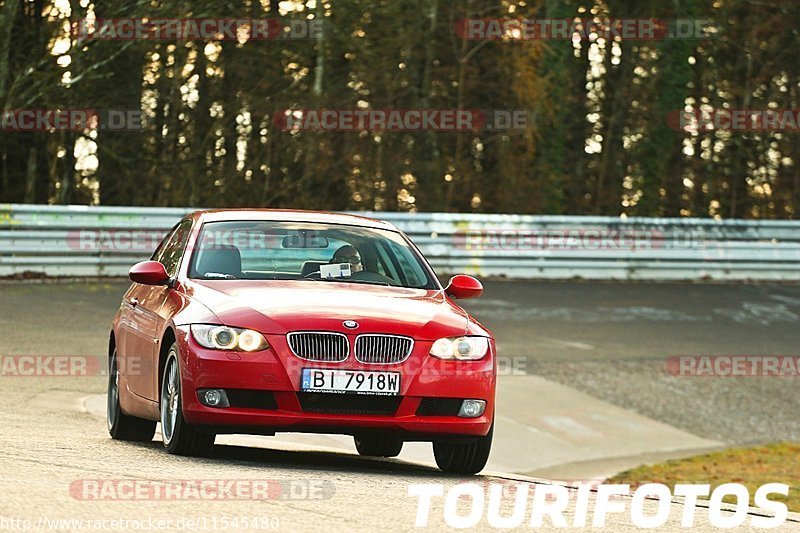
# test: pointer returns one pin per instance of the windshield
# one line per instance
(269, 250)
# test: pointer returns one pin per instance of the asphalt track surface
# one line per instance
(605, 341)
(613, 340)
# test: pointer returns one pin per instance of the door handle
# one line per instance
(134, 302)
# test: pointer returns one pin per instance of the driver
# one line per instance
(348, 254)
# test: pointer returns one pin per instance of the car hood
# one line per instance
(278, 307)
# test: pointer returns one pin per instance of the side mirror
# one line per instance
(463, 287)
(149, 273)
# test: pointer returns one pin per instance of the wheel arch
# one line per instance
(167, 340)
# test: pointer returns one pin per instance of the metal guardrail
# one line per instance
(106, 241)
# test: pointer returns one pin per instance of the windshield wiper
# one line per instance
(361, 281)
(218, 275)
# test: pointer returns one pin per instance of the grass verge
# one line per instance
(752, 467)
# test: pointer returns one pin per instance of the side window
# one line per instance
(171, 251)
(159, 253)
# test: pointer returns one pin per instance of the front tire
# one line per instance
(463, 457)
(180, 438)
(120, 425)
(378, 445)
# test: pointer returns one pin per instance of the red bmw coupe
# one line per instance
(265, 321)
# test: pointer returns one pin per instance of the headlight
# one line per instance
(225, 338)
(461, 348)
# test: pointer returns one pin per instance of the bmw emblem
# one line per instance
(350, 324)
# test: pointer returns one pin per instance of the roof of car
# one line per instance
(291, 215)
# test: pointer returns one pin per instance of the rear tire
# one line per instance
(180, 438)
(378, 445)
(120, 425)
(464, 457)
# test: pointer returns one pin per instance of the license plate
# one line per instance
(350, 381)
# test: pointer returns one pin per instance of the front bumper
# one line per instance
(277, 371)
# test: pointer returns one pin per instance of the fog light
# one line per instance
(213, 397)
(472, 408)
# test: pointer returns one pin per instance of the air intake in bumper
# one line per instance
(439, 407)
(348, 404)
